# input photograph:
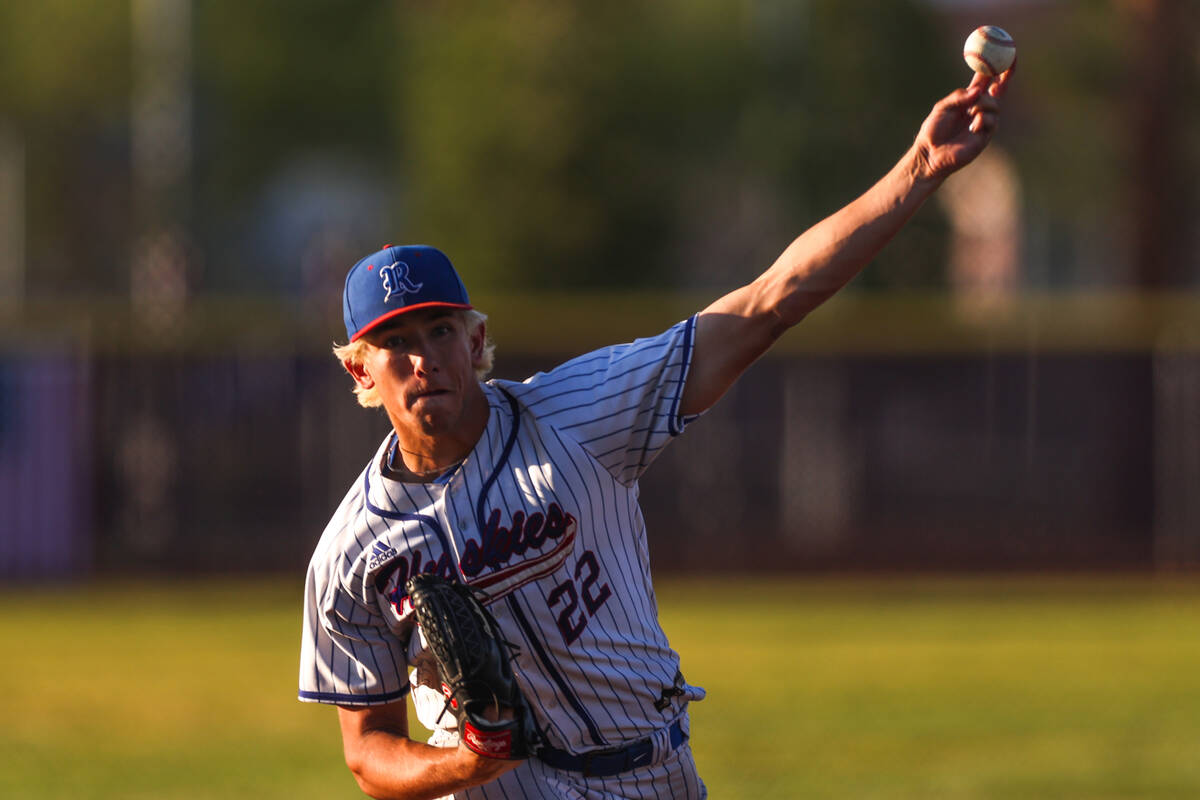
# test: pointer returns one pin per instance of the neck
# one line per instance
(424, 467)
(426, 454)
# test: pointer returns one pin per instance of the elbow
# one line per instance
(358, 765)
(366, 788)
(779, 303)
(369, 789)
(355, 765)
(797, 305)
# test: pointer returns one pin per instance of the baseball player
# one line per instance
(528, 492)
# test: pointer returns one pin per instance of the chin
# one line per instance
(434, 421)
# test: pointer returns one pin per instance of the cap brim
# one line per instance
(375, 323)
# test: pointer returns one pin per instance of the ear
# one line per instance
(478, 341)
(360, 374)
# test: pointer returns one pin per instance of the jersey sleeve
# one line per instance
(621, 403)
(349, 655)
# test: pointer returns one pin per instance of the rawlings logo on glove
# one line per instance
(474, 660)
(493, 744)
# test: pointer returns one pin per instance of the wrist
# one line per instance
(917, 168)
(479, 768)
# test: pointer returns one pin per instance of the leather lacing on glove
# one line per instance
(474, 665)
(514, 651)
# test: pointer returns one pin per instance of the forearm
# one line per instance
(735, 330)
(827, 256)
(387, 765)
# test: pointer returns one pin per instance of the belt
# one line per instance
(601, 763)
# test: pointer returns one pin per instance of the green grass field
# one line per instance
(818, 688)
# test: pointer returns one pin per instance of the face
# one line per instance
(422, 364)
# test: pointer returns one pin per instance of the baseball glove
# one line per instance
(474, 660)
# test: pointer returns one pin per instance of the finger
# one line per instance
(984, 123)
(961, 98)
(984, 103)
(978, 81)
(1000, 86)
(984, 114)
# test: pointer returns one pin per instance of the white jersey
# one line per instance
(543, 516)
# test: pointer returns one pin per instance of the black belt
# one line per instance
(600, 763)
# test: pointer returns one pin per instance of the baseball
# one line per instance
(989, 50)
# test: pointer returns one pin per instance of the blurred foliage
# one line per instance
(282, 80)
(64, 93)
(65, 61)
(1072, 125)
(563, 145)
(555, 144)
(1102, 124)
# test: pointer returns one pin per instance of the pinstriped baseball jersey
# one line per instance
(543, 516)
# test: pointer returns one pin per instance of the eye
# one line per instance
(392, 341)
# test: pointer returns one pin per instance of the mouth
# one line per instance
(427, 394)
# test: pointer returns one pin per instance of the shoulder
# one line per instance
(352, 534)
(341, 545)
(609, 366)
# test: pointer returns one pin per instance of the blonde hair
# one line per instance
(356, 353)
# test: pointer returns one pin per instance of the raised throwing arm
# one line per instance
(738, 328)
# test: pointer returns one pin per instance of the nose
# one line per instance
(422, 361)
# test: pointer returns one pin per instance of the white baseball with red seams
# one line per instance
(990, 50)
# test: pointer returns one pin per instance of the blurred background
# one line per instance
(1010, 392)
(183, 184)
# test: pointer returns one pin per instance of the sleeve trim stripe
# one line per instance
(352, 699)
(676, 423)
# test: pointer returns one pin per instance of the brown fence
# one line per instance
(126, 463)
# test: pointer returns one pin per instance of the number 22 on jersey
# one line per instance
(586, 586)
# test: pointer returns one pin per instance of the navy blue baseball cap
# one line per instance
(395, 280)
